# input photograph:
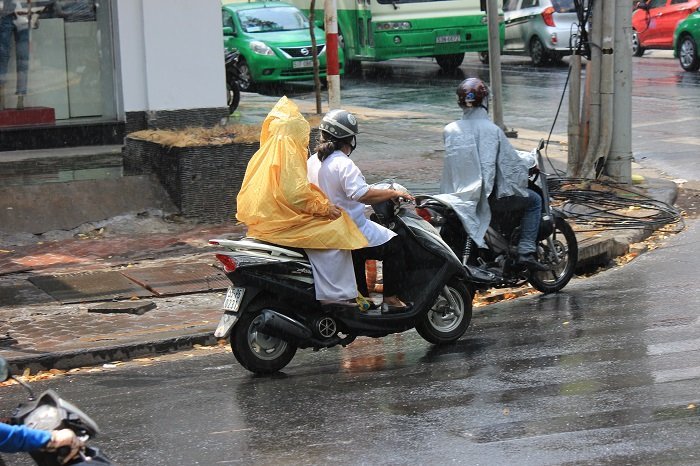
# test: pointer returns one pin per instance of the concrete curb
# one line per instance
(105, 354)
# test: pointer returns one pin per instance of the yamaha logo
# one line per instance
(304, 51)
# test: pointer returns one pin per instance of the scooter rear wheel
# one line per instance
(256, 351)
(566, 252)
(449, 316)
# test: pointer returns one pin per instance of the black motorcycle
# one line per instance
(497, 267)
(236, 79)
(51, 412)
(271, 309)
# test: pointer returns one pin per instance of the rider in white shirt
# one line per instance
(332, 170)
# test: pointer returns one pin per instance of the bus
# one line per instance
(378, 30)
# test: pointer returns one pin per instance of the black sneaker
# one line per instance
(531, 262)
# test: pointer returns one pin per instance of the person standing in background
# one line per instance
(15, 23)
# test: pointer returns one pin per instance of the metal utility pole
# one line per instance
(314, 49)
(607, 137)
(619, 163)
(330, 20)
(495, 63)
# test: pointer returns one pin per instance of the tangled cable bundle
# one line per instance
(608, 205)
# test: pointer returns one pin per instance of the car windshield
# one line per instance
(272, 19)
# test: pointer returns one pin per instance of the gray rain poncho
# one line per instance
(479, 161)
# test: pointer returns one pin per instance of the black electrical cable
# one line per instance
(601, 205)
(582, 47)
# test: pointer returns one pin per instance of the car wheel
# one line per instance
(538, 52)
(637, 49)
(484, 57)
(245, 82)
(350, 66)
(449, 63)
(688, 54)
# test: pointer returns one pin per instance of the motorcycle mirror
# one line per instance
(4, 370)
(228, 31)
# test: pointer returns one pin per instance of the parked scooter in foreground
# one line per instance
(235, 79)
(557, 248)
(51, 412)
(271, 309)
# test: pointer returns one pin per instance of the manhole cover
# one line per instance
(179, 279)
(85, 287)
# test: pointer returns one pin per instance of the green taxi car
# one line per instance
(686, 39)
(274, 41)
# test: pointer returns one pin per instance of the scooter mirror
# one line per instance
(4, 370)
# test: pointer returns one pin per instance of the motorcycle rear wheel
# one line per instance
(256, 351)
(449, 316)
(566, 250)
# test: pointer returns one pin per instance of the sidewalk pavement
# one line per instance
(125, 291)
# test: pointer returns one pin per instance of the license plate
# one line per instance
(302, 64)
(447, 39)
(233, 299)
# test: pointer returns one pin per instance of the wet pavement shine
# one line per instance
(46, 287)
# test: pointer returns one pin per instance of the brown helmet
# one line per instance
(471, 93)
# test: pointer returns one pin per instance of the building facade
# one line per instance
(88, 72)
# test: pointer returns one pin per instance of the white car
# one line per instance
(545, 30)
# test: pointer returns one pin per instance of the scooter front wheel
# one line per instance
(256, 351)
(450, 315)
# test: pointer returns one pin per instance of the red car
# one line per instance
(654, 21)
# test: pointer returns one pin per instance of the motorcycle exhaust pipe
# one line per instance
(285, 328)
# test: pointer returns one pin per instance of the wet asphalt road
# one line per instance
(606, 372)
(665, 101)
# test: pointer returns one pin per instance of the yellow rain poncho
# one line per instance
(277, 203)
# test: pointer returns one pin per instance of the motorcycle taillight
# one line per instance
(228, 262)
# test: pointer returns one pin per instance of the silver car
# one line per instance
(546, 30)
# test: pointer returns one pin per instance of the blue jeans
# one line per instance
(530, 223)
(531, 209)
(8, 31)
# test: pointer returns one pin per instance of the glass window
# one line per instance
(676, 2)
(656, 3)
(510, 5)
(227, 19)
(564, 6)
(530, 3)
(56, 61)
(272, 19)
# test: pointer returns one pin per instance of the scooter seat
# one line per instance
(256, 244)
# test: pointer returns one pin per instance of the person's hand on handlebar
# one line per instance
(65, 438)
